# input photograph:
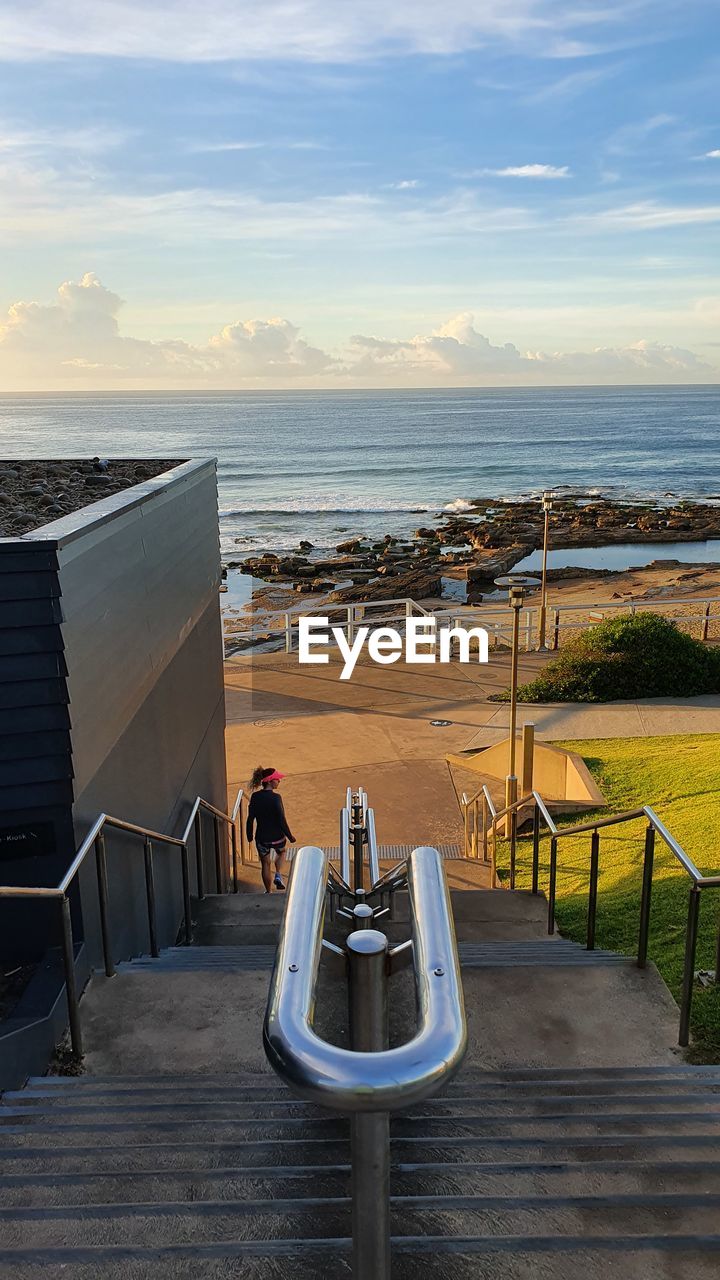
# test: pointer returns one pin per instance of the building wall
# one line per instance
(123, 660)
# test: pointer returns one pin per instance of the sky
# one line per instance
(332, 193)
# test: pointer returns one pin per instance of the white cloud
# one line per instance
(90, 141)
(458, 353)
(407, 184)
(648, 215)
(712, 155)
(308, 30)
(79, 334)
(530, 171)
(77, 342)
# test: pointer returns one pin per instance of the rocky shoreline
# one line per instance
(475, 547)
(35, 492)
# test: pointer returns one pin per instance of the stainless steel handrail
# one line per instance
(345, 1079)
(655, 827)
(345, 841)
(95, 840)
(373, 856)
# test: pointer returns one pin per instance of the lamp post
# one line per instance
(547, 508)
(517, 584)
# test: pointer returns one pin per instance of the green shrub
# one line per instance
(644, 656)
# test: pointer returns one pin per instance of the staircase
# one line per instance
(522, 1173)
(574, 1142)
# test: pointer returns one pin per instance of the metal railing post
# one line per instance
(68, 951)
(244, 851)
(199, 856)
(466, 817)
(358, 835)
(187, 906)
(691, 936)
(705, 621)
(485, 827)
(536, 849)
(552, 884)
(288, 634)
(219, 869)
(370, 1133)
(592, 895)
(493, 862)
(150, 893)
(646, 895)
(351, 624)
(513, 846)
(556, 630)
(102, 879)
(234, 847)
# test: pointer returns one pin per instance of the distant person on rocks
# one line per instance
(267, 815)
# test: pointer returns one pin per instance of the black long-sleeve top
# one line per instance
(267, 811)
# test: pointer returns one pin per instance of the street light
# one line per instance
(517, 584)
(547, 508)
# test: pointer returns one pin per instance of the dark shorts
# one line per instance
(275, 846)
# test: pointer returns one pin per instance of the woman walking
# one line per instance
(267, 814)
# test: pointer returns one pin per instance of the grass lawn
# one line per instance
(679, 777)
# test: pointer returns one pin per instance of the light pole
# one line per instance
(517, 584)
(547, 508)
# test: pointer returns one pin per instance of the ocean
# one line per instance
(322, 465)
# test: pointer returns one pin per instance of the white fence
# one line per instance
(697, 617)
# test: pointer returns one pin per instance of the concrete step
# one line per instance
(46, 1111)
(157, 1185)
(267, 1090)
(20, 1128)
(513, 1077)
(472, 955)
(658, 1257)
(152, 1225)
(166, 1153)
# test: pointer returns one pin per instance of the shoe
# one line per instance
(278, 882)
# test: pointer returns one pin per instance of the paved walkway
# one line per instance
(377, 730)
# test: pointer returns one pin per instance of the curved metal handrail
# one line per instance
(345, 1079)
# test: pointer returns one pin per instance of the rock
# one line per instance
(304, 545)
(419, 584)
(426, 533)
(352, 545)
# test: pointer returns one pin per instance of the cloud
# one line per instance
(407, 184)
(308, 30)
(80, 334)
(89, 141)
(648, 215)
(76, 342)
(712, 155)
(530, 171)
(457, 352)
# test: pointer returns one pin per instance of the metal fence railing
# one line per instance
(482, 821)
(699, 617)
(94, 842)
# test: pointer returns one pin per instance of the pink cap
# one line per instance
(275, 776)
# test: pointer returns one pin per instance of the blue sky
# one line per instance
(313, 193)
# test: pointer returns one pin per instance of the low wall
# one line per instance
(111, 698)
(560, 776)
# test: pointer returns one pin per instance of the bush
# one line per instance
(644, 656)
